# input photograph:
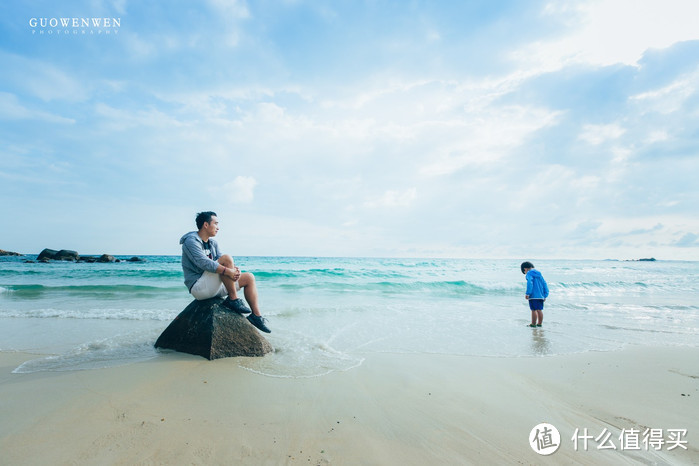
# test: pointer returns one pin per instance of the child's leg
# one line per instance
(540, 316)
(534, 317)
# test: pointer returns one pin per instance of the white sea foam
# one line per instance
(93, 313)
(97, 354)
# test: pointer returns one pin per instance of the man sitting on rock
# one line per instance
(208, 273)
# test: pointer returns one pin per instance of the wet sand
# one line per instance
(395, 409)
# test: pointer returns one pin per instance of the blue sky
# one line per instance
(515, 129)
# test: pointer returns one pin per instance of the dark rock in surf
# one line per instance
(8, 253)
(62, 255)
(67, 255)
(136, 259)
(106, 258)
(47, 254)
(207, 328)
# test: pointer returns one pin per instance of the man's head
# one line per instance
(207, 221)
(526, 267)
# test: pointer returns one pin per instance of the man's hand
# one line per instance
(236, 273)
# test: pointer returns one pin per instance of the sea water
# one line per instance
(330, 314)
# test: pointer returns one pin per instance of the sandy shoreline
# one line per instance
(394, 409)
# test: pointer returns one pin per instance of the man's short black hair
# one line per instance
(526, 265)
(204, 217)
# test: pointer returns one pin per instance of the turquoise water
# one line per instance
(330, 314)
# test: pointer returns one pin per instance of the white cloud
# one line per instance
(669, 98)
(12, 109)
(231, 12)
(656, 136)
(688, 240)
(485, 137)
(43, 80)
(598, 134)
(607, 32)
(119, 119)
(231, 9)
(393, 198)
(239, 191)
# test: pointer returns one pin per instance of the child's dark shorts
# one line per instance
(536, 304)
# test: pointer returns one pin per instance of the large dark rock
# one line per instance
(62, 255)
(9, 253)
(67, 255)
(47, 254)
(106, 258)
(208, 329)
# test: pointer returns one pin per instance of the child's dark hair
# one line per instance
(526, 265)
(204, 217)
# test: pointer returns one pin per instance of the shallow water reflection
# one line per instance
(540, 344)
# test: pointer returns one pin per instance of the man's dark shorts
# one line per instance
(536, 304)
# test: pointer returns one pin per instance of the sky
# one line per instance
(464, 129)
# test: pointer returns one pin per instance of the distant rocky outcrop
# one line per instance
(47, 254)
(62, 255)
(68, 255)
(207, 328)
(9, 253)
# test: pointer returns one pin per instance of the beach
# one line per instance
(376, 361)
(393, 409)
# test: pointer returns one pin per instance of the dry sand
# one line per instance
(395, 409)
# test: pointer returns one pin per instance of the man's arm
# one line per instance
(530, 286)
(192, 248)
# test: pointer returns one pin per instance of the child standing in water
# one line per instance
(536, 294)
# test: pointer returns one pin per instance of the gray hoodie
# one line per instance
(194, 261)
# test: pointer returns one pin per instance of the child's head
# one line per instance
(526, 266)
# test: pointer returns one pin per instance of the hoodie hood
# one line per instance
(534, 273)
(187, 235)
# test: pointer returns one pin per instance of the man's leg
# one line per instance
(247, 283)
(227, 261)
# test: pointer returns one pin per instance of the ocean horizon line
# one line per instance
(292, 256)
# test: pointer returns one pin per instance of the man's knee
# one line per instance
(246, 279)
(226, 260)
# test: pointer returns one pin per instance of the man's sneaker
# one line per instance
(259, 322)
(236, 305)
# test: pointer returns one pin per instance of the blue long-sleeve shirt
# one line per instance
(536, 285)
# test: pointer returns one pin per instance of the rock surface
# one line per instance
(47, 254)
(67, 255)
(207, 328)
(8, 253)
(62, 255)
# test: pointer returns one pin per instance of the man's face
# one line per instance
(211, 228)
